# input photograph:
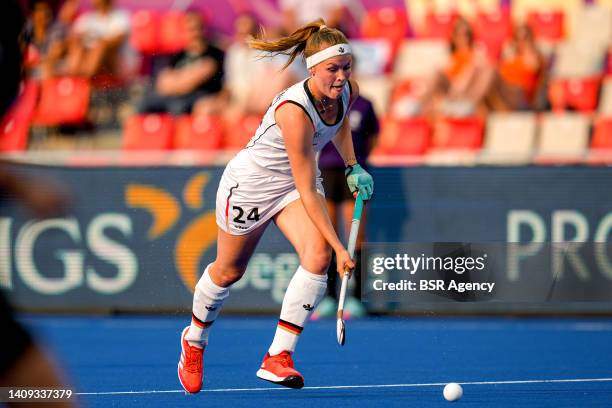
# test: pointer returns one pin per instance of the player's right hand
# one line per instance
(344, 263)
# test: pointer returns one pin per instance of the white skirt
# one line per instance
(249, 195)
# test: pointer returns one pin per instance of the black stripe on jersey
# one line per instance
(260, 136)
(312, 100)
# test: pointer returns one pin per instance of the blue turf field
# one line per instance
(386, 362)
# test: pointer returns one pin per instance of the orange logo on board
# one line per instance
(195, 239)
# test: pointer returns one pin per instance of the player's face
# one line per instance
(331, 75)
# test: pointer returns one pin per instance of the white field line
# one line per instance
(340, 387)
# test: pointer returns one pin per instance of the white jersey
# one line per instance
(258, 183)
(267, 147)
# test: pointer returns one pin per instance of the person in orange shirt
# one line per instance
(460, 88)
(469, 74)
(521, 69)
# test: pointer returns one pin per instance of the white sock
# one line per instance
(303, 294)
(208, 299)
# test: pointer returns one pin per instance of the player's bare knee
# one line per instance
(225, 276)
(317, 260)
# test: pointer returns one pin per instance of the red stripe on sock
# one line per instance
(199, 322)
(290, 327)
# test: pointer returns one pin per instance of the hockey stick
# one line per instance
(340, 328)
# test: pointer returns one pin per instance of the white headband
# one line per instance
(329, 52)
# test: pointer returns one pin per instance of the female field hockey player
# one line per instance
(276, 178)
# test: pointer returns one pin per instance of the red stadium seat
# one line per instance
(600, 151)
(439, 25)
(26, 101)
(63, 101)
(459, 133)
(172, 32)
(404, 137)
(200, 132)
(547, 25)
(407, 87)
(492, 30)
(602, 135)
(578, 94)
(148, 132)
(15, 124)
(13, 133)
(403, 98)
(238, 135)
(403, 88)
(387, 23)
(144, 32)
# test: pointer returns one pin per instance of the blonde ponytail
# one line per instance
(304, 41)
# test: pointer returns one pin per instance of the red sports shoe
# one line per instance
(279, 370)
(190, 367)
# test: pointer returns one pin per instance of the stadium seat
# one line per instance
(13, 134)
(547, 25)
(577, 94)
(15, 125)
(592, 24)
(389, 24)
(420, 58)
(27, 99)
(373, 57)
(509, 139)
(237, 136)
(144, 31)
(172, 32)
(439, 25)
(200, 132)
(458, 134)
(377, 89)
(403, 102)
(600, 152)
(578, 60)
(602, 134)
(492, 30)
(402, 88)
(386, 23)
(563, 138)
(403, 137)
(63, 101)
(148, 132)
(605, 101)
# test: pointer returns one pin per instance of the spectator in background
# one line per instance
(38, 27)
(340, 201)
(521, 72)
(458, 90)
(47, 38)
(249, 91)
(97, 40)
(193, 74)
(467, 79)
